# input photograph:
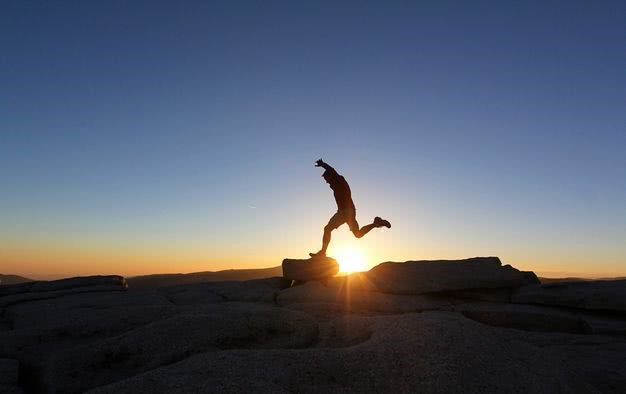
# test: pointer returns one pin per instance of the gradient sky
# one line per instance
(143, 137)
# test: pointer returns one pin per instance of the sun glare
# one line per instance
(350, 259)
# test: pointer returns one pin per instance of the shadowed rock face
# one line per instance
(314, 268)
(418, 277)
(32, 291)
(63, 284)
(211, 292)
(338, 335)
(608, 295)
(544, 319)
(525, 317)
(346, 299)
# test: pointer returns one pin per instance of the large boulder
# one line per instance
(418, 277)
(609, 295)
(359, 281)
(315, 268)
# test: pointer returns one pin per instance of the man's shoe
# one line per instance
(381, 222)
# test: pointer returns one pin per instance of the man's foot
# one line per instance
(378, 222)
(318, 254)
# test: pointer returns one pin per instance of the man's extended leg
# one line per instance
(337, 220)
(359, 232)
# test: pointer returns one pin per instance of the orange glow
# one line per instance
(52, 256)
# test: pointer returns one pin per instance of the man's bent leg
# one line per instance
(363, 230)
(335, 221)
(360, 232)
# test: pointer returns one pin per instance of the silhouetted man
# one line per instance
(346, 213)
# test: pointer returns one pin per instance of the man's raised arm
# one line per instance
(320, 163)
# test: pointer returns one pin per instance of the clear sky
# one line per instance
(143, 137)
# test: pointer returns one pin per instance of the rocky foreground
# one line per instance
(441, 326)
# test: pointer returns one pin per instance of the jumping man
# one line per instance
(346, 213)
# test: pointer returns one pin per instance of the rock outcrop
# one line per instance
(419, 277)
(315, 268)
(31, 291)
(440, 327)
(63, 284)
(525, 317)
(604, 295)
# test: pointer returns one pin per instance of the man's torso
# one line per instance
(342, 193)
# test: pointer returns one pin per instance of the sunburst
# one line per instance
(350, 259)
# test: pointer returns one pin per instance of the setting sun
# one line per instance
(351, 259)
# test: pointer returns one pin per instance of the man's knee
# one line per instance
(328, 228)
(357, 233)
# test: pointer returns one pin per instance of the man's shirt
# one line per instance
(341, 190)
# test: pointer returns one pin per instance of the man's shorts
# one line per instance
(346, 215)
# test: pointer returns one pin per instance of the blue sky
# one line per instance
(181, 137)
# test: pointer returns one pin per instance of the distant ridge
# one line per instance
(568, 279)
(13, 279)
(577, 279)
(161, 280)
